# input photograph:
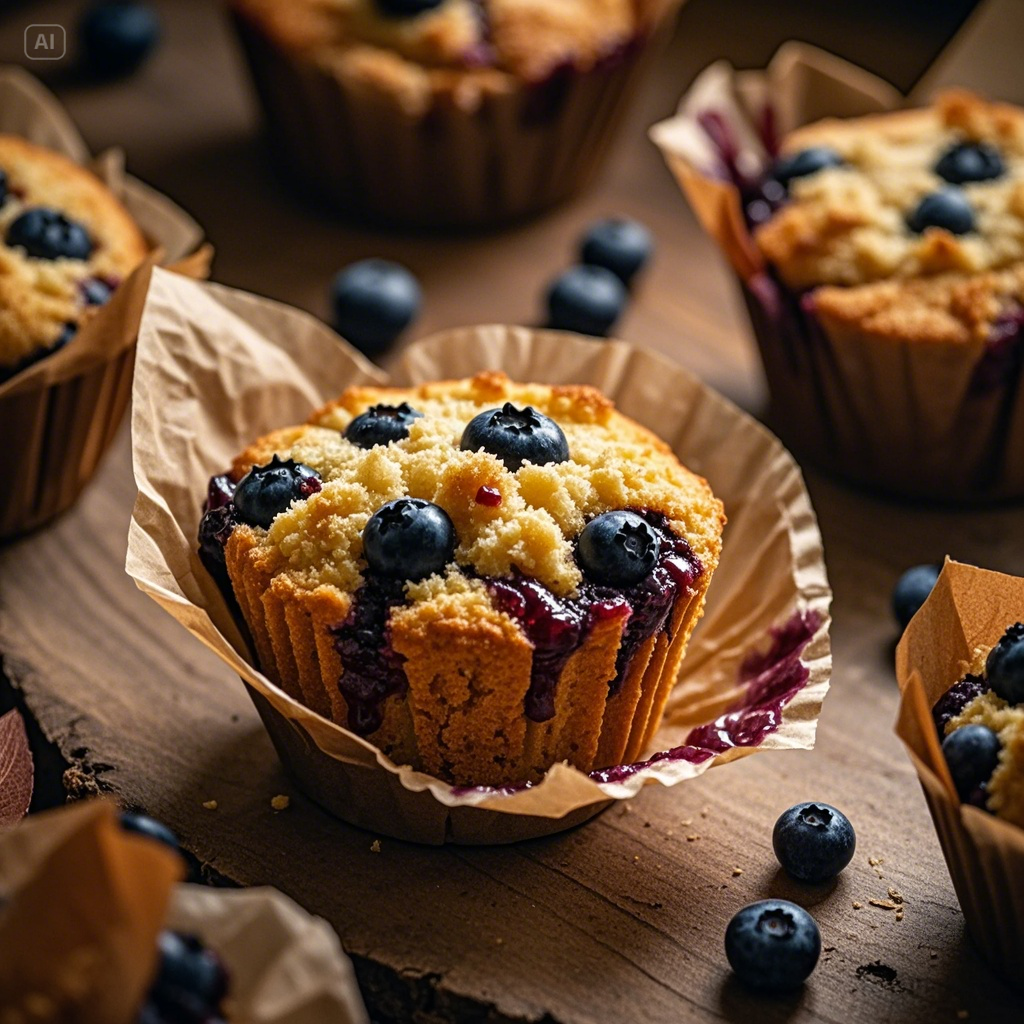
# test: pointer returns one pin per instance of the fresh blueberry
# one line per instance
(406, 8)
(67, 332)
(516, 436)
(117, 36)
(95, 291)
(617, 549)
(381, 424)
(813, 842)
(805, 162)
(374, 301)
(912, 590)
(46, 234)
(189, 976)
(266, 491)
(1004, 668)
(3, 187)
(972, 753)
(149, 827)
(409, 539)
(585, 299)
(619, 245)
(947, 208)
(773, 945)
(970, 161)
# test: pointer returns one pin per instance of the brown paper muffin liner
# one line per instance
(82, 902)
(969, 608)
(60, 414)
(757, 666)
(523, 147)
(943, 422)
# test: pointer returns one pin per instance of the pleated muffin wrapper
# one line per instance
(217, 368)
(82, 903)
(913, 418)
(968, 608)
(470, 155)
(59, 415)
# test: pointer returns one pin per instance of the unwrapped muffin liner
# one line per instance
(968, 608)
(218, 368)
(60, 414)
(455, 163)
(912, 418)
(81, 905)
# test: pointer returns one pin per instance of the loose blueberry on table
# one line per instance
(813, 842)
(585, 299)
(374, 301)
(773, 945)
(912, 590)
(116, 37)
(620, 245)
(516, 436)
(382, 424)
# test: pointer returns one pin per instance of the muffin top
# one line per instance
(67, 244)
(508, 518)
(903, 195)
(411, 45)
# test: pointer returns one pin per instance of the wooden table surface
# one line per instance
(621, 919)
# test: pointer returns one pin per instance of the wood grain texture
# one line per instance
(621, 919)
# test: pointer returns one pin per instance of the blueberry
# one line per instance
(516, 436)
(972, 753)
(374, 301)
(585, 299)
(947, 208)
(381, 424)
(912, 590)
(406, 8)
(970, 161)
(619, 245)
(266, 491)
(1004, 668)
(95, 291)
(617, 549)
(409, 539)
(67, 332)
(150, 828)
(805, 162)
(3, 187)
(116, 37)
(772, 945)
(189, 977)
(46, 234)
(813, 842)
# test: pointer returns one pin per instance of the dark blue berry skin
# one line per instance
(191, 980)
(947, 208)
(813, 842)
(970, 161)
(972, 753)
(805, 162)
(142, 825)
(587, 300)
(406, 8)
(409, 539)
(912, 590)
(1004, 667)
(619, 245)
(96, 292)
(374, 301)
(266, 491)
(617, 549)
(116, 37)
(516, 436)
(773, 945)
(46, 234)
(381, 424)
(3, 187)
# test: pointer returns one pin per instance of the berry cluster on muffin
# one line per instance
(483, 578)
(981, 718)
(67, 242)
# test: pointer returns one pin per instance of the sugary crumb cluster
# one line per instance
(848, 224)
(40, 297)
(532, 524)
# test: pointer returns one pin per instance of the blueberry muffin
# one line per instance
(368, 99)
(67, 243)
(981, 720)
(480, 577)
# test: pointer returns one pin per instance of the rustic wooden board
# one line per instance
(619, 920)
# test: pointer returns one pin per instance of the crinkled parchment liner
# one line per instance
(968, 608)
(217, 368)
(87, 899)
(60, 414)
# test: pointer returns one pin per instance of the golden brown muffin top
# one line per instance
(38, 296)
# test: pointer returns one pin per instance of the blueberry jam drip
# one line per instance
(955, 699)
(219, 519)
(1004, 349)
